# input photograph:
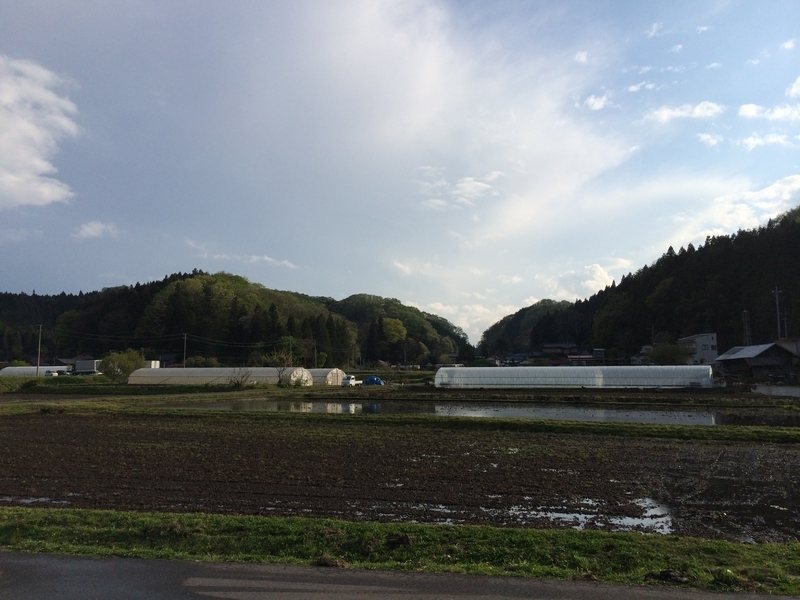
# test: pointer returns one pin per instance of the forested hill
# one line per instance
(693, 290)
(223, 319)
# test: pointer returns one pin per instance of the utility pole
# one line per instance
(184, 350)
(776, 291)
(39, 353)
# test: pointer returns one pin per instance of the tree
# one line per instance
(281, 360)
(117, 366)
(668, 354)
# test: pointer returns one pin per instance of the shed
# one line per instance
(327, 376)
(219, 376)
(575, 377)
(763, 361)
(31, 371)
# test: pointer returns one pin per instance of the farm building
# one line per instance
(220, 376)
(327, 376)
(31, 371)
(575, 377)
(764, 361)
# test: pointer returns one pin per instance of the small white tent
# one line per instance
(220, 376)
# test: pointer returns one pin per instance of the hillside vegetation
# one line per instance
(693, 290)
(225, 319)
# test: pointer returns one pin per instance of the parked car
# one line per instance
(374, 380)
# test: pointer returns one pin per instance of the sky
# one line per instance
(467, 158)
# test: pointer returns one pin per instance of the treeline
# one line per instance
(223, 319)
(694, 290)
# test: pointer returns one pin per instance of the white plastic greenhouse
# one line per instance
(219, 376)
(575, 377)
(31, 371)
(327, 376)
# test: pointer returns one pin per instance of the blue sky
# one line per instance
(468, 158)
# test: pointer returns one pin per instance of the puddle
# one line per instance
(32, 500)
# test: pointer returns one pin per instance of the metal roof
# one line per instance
(738, 352)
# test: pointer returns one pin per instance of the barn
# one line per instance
(575, 377)
(220, 376)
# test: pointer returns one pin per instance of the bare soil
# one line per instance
(353, 470)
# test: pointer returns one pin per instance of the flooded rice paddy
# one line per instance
(500, 410)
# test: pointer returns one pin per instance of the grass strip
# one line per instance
(626, 558)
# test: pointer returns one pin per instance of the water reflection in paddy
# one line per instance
(516, 410)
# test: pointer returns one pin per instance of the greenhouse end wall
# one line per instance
(575, 377)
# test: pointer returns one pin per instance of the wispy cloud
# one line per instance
(714, 65)
(788, 44)
(581, 57)
(656, 30)
(752, 61)
(793, 91)
(704, 110)
(642, 84)
(754, 141)
(676, 48)
(779, 113)
(598, 102)
(710, 139)
(96, 229)
(242, 258)
(34, 119)
(703, 29)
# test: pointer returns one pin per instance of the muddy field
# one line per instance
(427, 474)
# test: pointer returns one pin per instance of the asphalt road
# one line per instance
(50, 577)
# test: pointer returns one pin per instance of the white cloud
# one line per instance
(794, 90)
(598, 278)
(513, 279)
(676, 48)
(788, 44)
(437, 204)
(779, 113)
(656, 30)
(704, 110)
(96, 229)
(770, 139)
(703, 29)
(255, 258)
(714, 65)
(710, 139)
(743, 209)
(598, 102)
(752, 61)
(34, 119)
(644, 70)
(581, 57)
(636, 87)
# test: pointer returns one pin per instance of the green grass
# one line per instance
(607, 557)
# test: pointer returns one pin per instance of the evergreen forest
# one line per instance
(727, 286)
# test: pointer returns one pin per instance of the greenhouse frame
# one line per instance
(575, 377)
(220, 376)
(327, 376)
